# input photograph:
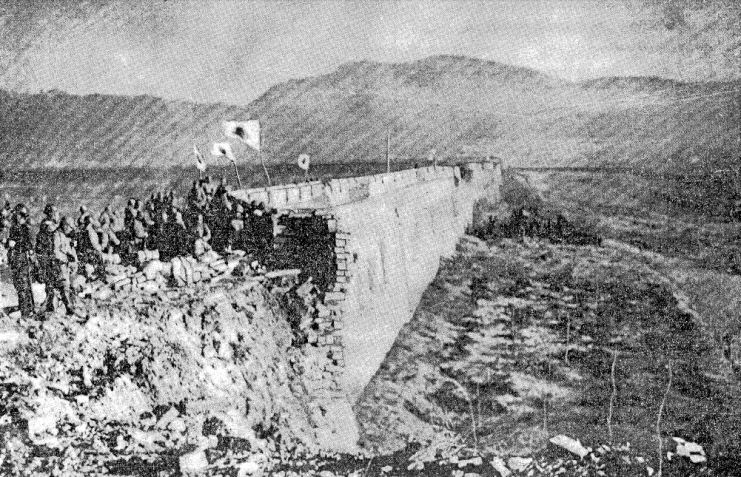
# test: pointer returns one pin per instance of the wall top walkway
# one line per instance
(321, 194)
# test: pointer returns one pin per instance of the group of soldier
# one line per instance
(208, 220)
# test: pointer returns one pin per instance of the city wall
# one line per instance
(372, 244)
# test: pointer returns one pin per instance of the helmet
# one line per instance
(49, 209)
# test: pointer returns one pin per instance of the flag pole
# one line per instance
(262, 161)
(388, 150)
(236, 171)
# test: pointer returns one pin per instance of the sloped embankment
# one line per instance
(517, 342)
(181, 379)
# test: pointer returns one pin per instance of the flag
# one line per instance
(223, 149)
(304, 161)
(246, 131)
(200, 163)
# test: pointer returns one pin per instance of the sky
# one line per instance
(233, 51)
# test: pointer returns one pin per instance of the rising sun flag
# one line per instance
(304, 161)
(246, 131)
(223, 149)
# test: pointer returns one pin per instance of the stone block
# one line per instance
(334, 296)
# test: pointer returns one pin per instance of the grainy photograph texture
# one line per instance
(370, 238)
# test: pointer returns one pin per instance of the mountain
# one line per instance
(459, 106)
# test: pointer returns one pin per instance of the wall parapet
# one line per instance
(317, 194)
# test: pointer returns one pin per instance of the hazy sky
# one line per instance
(232, 51)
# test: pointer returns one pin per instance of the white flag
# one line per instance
(246, 131)
(304, 161)
(200, 163)
(223, 149)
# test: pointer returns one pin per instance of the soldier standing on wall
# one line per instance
(64, 257)
(20, 259)
(45, 253)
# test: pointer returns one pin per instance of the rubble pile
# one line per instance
(152, 275)
(195, 377)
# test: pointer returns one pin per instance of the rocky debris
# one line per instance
(571, 445)
(204, 372)
(152, 275)
(193, 462)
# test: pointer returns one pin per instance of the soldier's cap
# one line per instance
(49, 209)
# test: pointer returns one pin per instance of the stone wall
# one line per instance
(395, 240)
(372, 245)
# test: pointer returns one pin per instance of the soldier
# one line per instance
(172, 200)
(236, 230)
(222, 188)
(106, 217)
(4, 232)
(221, 212)
(139, 233)
(130, 214)
(81, 219)
(196, 199)
(90, 247)
(64, 257)
(7, 212)
(45, 252)
(158, 235)
(20, 259)
(109, 239)
(178, 234)
(201, 237)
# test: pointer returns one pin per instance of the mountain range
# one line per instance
(461, 107)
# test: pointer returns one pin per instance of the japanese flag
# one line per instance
(223, 149)
(304, 161)
(246, 131)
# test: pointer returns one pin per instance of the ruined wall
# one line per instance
(372, 244)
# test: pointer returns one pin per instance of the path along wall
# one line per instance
(372, 244)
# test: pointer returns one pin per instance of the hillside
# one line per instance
(457, 105)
